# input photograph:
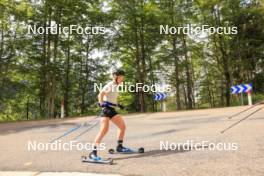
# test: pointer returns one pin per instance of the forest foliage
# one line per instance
(39, 71)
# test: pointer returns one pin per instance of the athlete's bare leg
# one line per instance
(103, 130)
(119, 122)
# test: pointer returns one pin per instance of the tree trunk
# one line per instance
(176, 72)
(54, 77)
(67, 83)
(139, 77)
(143, 64)
(176, 60)
(188, 76)
(43, 72)
(224, 58)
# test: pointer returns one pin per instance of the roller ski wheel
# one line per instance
(111, 151)
(126, 151)
(97, 160)
(141, 150)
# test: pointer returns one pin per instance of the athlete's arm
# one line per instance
(101, 97)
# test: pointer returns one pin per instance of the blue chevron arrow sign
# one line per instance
(160, 96)
(242, 88)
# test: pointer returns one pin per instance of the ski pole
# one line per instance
(72, 130)
(94, 125)
(67, 132)
(85, 131)
(230, 117)
(234, 124)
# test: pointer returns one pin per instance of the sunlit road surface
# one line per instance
(37, 173)
(149, 131)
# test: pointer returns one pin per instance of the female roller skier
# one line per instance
(107, 99)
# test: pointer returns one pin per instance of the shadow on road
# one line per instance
(181, 116)
(167, 132)
(157, 153)
(15, 128)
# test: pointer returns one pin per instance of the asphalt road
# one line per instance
(239, 151)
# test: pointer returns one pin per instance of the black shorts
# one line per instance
(108, 112)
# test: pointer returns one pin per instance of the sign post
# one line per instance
(243, 88)
(163, 106)
(249, 98)
(161, 97)
(62, 109)
(242, 99)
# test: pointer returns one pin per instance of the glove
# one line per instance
(120, 106)
(102, 105)
(106, 104)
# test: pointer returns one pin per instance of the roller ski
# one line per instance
(124, 150)
(93, 158)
